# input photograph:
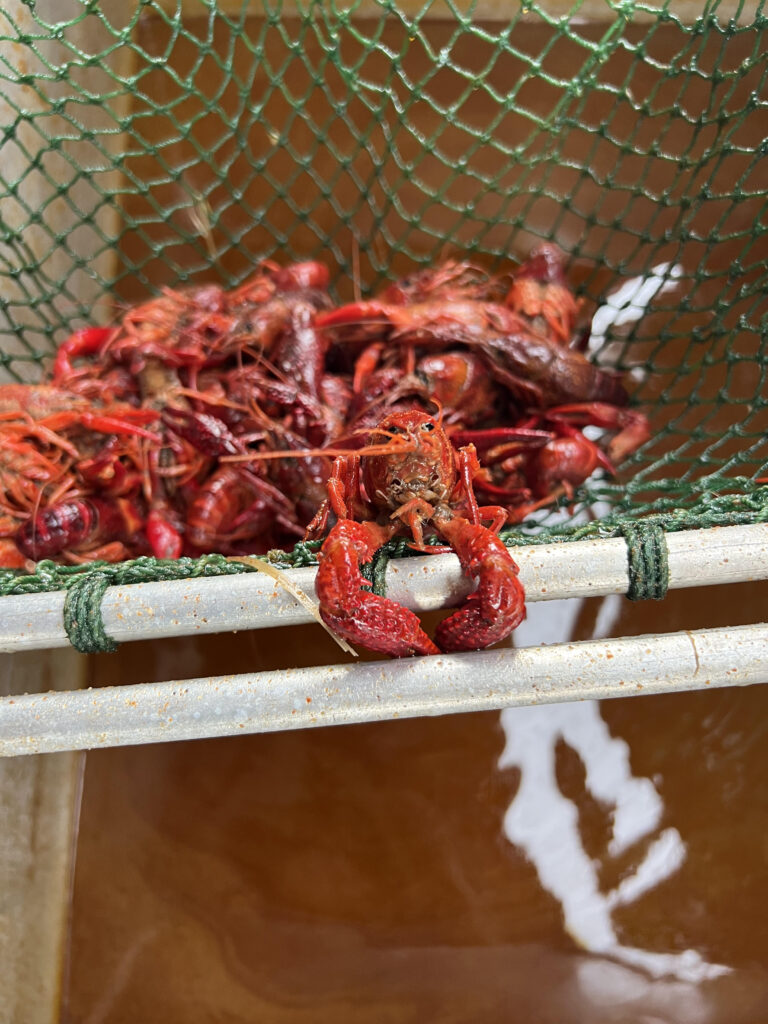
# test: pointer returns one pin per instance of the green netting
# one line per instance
(378, 136)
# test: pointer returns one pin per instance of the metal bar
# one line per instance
(376, 691)
(589, 568)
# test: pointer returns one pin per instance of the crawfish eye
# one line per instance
(428, 426)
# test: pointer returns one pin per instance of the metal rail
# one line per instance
(590, 568)
(375, 691)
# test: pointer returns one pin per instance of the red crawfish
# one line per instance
(538, 290)
(30, 475)
(234, 505)
(547, 456)
(449, 281)
(194, 328)
(540, 294)
(408, 478)
(54, 409)
(236, 511)
(251, 395)
(83, 529)
(41, 482)
(457, 380)
(537, 370)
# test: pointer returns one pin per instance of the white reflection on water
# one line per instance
(545, 824)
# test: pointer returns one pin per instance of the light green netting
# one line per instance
(406, 132)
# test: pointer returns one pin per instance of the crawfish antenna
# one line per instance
(439, 407)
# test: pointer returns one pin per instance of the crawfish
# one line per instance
(42, 482)
(253, 396)
(546, 456)
(178, 328)
(457, 380)
(550, 456)
(54, 409)
(234, 508)
(26, 471)
(82, 528)
(192, 329)
(410, 477)
(540, 294)
(451, 280)
(234, 504)
(536, 369)
(29, 477)
(284, 316)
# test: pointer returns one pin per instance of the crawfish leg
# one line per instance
(497, 606)
(358, 615)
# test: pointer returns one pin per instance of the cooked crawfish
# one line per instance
(536, 369)
(411, 478)
(48, 434)
(450, 281)
(86, 528)
(31, 475)
(540, 294)
(56, 409)
(237, 511)
(234, 504)
(195, 328)
(126, 451)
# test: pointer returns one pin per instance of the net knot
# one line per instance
(82, 613)
(648, 559)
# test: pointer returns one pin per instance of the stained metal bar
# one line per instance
(376, 691)
(589, 568)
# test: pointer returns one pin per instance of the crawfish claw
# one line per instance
(359, 615)
(497, 606)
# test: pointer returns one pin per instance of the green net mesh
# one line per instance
(157, 143)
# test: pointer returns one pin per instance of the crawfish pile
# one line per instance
(207, 420)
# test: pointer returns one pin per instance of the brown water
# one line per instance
(366, 873)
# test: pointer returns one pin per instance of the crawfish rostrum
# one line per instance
(238, 421)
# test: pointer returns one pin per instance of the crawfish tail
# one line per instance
(205, 432)
(299, 353)
(69, 525)
(561, 374)
(234, 504)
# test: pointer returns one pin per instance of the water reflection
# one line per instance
(545, 823)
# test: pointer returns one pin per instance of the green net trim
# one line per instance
(155, 144)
